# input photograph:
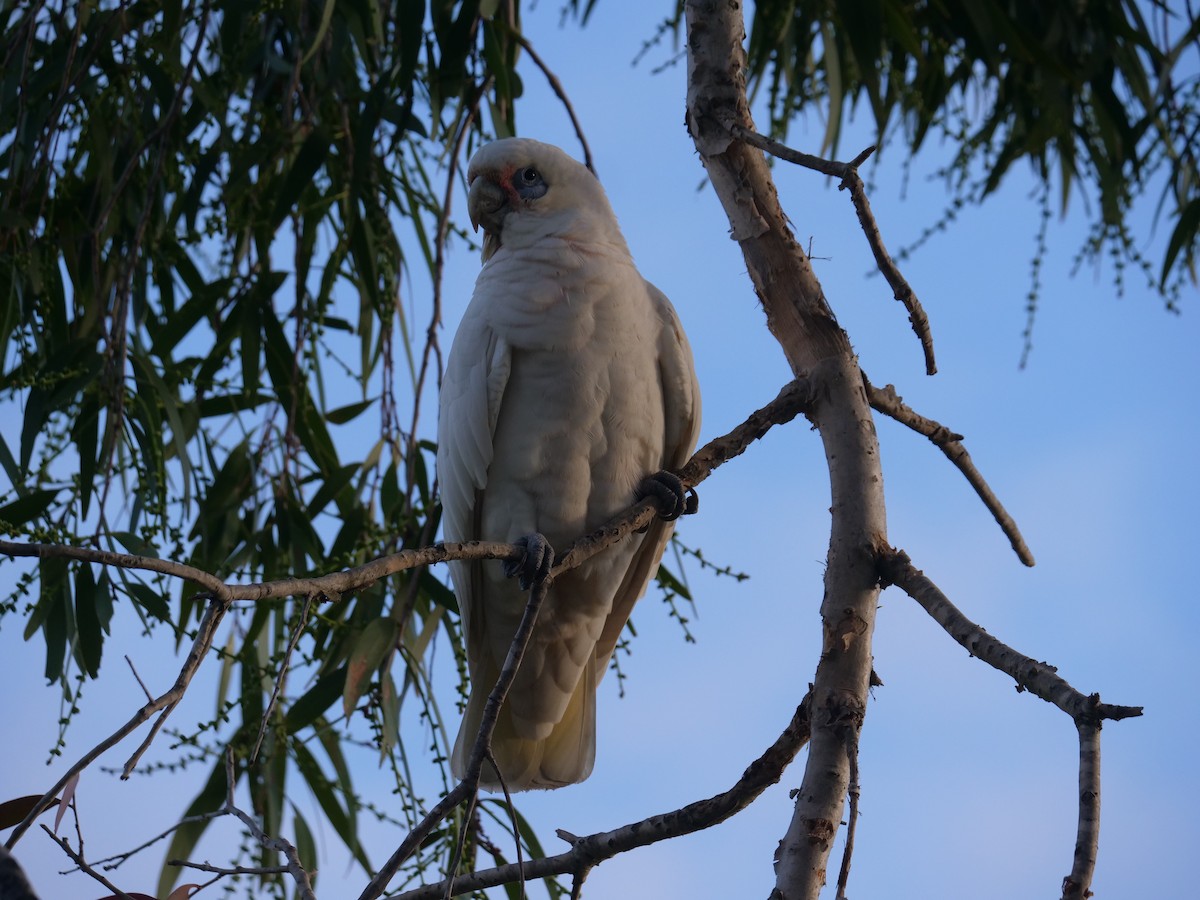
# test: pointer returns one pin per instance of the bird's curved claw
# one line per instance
(668, 491)
(535, 563)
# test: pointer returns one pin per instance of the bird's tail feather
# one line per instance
(565, 756)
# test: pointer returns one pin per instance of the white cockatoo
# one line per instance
(570, 382)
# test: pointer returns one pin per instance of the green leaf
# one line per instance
(27, 508)
(344, 414)
(313, 703)
(371, 647)
(1184, 235)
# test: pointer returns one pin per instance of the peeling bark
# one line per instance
(816, 347)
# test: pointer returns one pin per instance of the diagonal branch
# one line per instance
(852, 181)
(588, 851)
(1039, 678)
(888, 402)
(469, 786)
(216, 610)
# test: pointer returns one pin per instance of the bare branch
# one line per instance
(293, 640)
(304, 889)
(1077, 885)
(77, 858)
(586, 852)
(888, 402)
(561, 94)
(852, 795)
(216, 610)
(852, 181)
(1040, 679)
(469, 786)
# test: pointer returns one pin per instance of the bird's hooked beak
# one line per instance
(487, 205)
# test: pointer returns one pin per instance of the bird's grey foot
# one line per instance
(535, 562)
(668, 491)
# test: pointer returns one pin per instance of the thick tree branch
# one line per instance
(888, 402)
(852, 181)
(586, 852)
(800, 318)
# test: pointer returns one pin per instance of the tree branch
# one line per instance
(1040, 679)
(852, 181)
(1077, 885)
(888, 402)
(304, 889)
(586, 852)
(205, 632)
(469, 786)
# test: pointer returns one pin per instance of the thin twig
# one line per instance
(586, 852)
(561, 94)
(229, 870)
(469, 786)
(117, 859)
(138, 678)
(283, 671)
(888, 402)
(79, 861)
(295, 868)
(1040, 679)
(216, 610)
(1077, 885)
(852, 794)
(852, 181)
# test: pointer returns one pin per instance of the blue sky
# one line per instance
(1091, 447)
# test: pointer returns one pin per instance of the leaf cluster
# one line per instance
(1098, 97)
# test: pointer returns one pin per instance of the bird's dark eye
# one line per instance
(530, 175)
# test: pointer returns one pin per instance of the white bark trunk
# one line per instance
(814, 344)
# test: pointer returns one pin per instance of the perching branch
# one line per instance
(888, 402)
(469, 786)
(852, 181)
(586, 852)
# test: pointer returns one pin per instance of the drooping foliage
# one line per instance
(221, 236)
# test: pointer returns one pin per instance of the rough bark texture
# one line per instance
(816, 347)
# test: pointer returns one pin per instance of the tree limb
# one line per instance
(852, 181)
(304, 888)
(469, 786)
(1077, 885)
(888, 402)
(587, 851)
(1039, 678)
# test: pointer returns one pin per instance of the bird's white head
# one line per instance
(522, 191)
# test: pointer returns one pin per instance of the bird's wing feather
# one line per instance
(681, 419)
(472, 387)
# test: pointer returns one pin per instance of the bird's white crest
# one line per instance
(569, 381)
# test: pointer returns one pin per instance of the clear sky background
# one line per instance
(964, 780)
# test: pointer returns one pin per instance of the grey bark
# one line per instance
(816, 347)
